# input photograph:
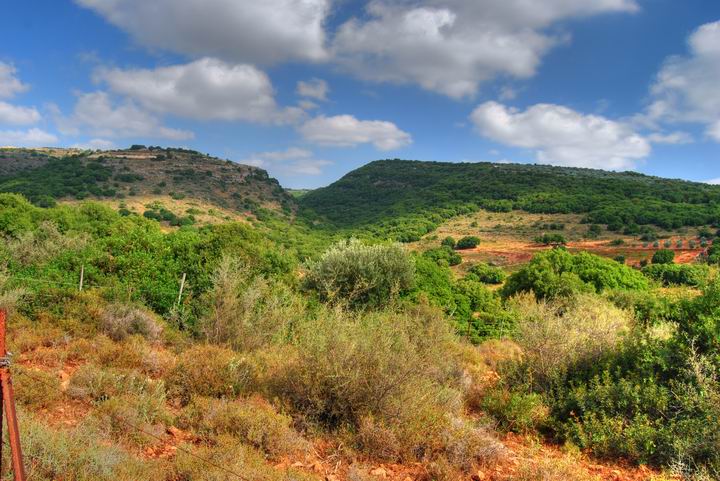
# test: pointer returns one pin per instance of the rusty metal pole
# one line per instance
(8, 397)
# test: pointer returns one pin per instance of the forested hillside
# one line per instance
(406, 199)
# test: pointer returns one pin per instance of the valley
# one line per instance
(473, 323)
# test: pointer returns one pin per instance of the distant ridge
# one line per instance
(405, 199)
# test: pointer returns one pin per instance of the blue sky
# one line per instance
(311, 89)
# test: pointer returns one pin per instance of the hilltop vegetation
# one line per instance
(405, 200)
(141, 172)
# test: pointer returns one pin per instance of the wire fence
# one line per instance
(24, 281)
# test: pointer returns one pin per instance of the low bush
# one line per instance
(229, 454)
(467, 242)
(557, 337)
(120, 416)
(94, 384)
(663, 256)
(34, 388)
(246, 311)
(78, 455)
(252, 420)
(361, 275)
(444, 256)
(121, 320)
(448, 242)
(210, 371)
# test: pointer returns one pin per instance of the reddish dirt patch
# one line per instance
(512, 253)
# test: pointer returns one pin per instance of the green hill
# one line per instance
(47, 175)
(406, 199)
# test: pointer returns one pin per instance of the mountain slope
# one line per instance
(46, 175)
(406, 199)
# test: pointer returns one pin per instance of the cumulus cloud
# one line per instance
(10, 85)
(205, 89)
(315, 88)
(562, 136)
(452, 46)
(262, 32)
(16, 115)
(686, 88)
(348, 131)
(294, 160)
(96, 114)
(27, 138)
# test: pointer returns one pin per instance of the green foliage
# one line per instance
(476, 311)
(558, 273)
(467, 242)
(678, 274)
(448, 242)
(361, 275)
(66, 177)
(663, 256)
(444, 256)
(486, 273)
(551, 239)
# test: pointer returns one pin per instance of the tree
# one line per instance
(551, 239)
(468, 242)
(449, 241)
(663, 256)
(486, 274)
(558, 273)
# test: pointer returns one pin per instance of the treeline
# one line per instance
(406, 199)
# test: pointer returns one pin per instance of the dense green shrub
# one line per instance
(551, 239)
(448, 242)
(677, 274)
(467, 242)
(558, 273)
(361, 275)
(486, 273)
(444, 256)
(663, 256)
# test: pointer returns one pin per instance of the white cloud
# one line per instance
(347, 131)
(714, 131)
(95, 114)
(204, 89)
(16, 115)
(452, 46)
(10, 85)
(673, 138)
(96, 144)
(562, 136)
(315, 88)
(27, 138)
(686, 88)
(291, 161)
(257, 31)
